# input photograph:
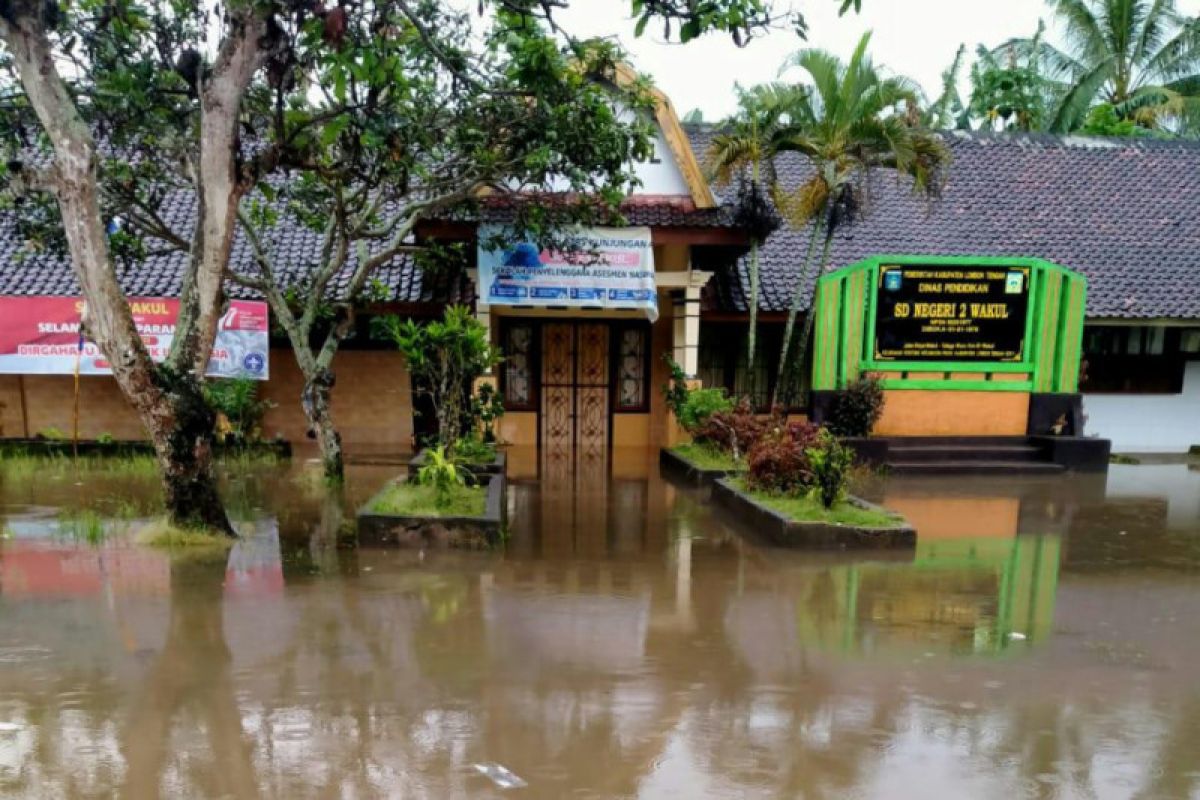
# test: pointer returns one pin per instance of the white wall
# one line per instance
(1148, 423)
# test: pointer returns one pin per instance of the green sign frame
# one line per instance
(845, 306)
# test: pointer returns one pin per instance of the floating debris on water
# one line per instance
(500, 775)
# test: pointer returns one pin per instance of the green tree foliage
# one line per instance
(949, 110)
(849, 120)
(741, 19)
(444, 357)
(744, 150)
(1140, 56)
(1008, 89)
(240, 409)
(230, 101)
(416, 125)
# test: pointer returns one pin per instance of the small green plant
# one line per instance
(675, 390)
(84, 525)
(473, 450)
(700, 405)
(239, 409)
(51, 434)
(444, 358)
(857, 408)
(105, 438)
(487, 407)
(830, 463)
(442, 474)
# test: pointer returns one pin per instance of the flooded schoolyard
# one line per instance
(1041, 641)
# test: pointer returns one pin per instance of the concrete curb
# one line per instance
(786, 532)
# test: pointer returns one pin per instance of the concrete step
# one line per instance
(926, 453)
(974, 467)
(966, 441)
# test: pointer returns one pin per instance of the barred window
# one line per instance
(518, 367)
(631, 369)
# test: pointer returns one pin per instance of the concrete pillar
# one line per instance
(691, 332)
(679, 328)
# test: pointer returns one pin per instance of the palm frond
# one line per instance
(1074, 105)
(1083, 31)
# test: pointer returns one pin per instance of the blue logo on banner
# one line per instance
(892, 280)
(587, 294)
(548, 293)
(630, 295)
(508, 291)
(254, 362)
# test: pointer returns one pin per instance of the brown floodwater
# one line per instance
(1041, 641)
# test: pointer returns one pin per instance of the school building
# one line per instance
(584, 364)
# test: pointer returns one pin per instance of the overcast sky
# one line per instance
(917, 38)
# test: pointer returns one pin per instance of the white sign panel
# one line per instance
(612, 268)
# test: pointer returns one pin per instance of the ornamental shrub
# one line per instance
(780, 460)
(735, 431)
(830, 463)
(239, 408)
(857, 408)
(701, 404)
(675, 391)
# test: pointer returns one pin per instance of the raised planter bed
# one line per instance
(783, 531)
(687, 470)
(128, 447)
(411, 530)
(496, 466)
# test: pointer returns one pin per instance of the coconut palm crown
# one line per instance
(744, 150)
(850, 121)
(1142, 57)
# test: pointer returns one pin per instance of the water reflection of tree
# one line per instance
(190, 681)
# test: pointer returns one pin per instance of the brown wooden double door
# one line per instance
(575, 391)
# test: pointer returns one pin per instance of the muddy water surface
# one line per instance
(1041, 641)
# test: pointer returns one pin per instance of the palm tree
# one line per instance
(1140, 56)
(748, 143)
(851, 120)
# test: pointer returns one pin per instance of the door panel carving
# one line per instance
(575, 392)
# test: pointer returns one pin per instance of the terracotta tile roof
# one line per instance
(292, 245)
(1124, 212)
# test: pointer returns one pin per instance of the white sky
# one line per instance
(917, 38)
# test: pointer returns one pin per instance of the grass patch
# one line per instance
(83, 525)
(161, 533)
(706, 456)
(1121, 458)
(806, 509)
(421, 501)
(42, 466)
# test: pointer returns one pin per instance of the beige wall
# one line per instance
(916, 412)
(380, 413)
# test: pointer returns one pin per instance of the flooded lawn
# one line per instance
(1041, 641)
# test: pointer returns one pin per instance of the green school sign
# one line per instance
(935, 322)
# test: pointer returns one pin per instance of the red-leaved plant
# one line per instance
(736, 431)
(779, 460)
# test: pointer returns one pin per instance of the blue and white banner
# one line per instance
(610, 268)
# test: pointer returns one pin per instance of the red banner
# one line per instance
(40, 336)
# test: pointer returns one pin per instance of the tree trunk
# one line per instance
(315, 398)
(806, 331)
(182, 433)
(754, 292)
(793, 310)
(171, 407)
